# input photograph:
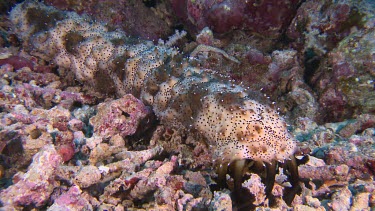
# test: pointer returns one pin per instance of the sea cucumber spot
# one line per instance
(258, 128)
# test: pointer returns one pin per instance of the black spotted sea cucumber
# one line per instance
(237, 126)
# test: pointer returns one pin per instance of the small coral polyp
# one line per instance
(235, 125)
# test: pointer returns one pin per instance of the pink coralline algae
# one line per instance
(73, 199)
(346, 162)
(29, 97)
(27, 89)
(256, 188)
(120, 116)
(66, 151)
(267, 18)
(320, 26)
(35, 186)
(345, 84)
(19, 61)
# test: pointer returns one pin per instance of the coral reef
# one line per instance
(77, 129)
(229, 116)
(345, 84)
(145, 19)
(336, 40)
(339, 162)
(256, 17)
(44, 122)
(319, 26)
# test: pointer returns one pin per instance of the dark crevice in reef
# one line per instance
(150, 3)
(146, 128)
(283, 39)
(311, 63)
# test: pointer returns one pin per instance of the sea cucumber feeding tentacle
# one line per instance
(235, 125)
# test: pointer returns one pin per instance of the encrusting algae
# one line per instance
(235, 124)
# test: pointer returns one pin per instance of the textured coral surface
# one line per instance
(92, 118)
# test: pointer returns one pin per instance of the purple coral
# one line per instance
(345, 80)
(321, 26)
(267, 17)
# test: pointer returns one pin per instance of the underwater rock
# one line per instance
(319, 26)
(71, 200)
(152, 182)
(256, 17)
(75, 125)
(256, 188)
(360, 124)
(334, 40)
(34, 89)
(17, 62)
(341, 200)
(361, 202)
(221, 201)
(345, 83)
(121, 116)
(35, 186)
(87, 176)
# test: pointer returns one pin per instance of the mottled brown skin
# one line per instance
(239, 129)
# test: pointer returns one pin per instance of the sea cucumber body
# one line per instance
(234, 123)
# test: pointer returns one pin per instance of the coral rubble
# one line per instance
(119, 115)
(36, 185)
